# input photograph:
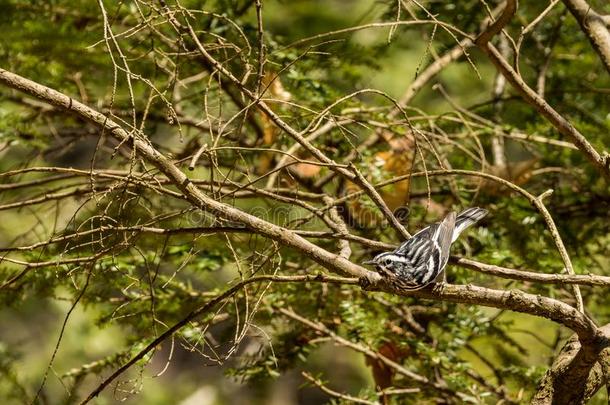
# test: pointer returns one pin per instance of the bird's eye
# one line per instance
(387, 262)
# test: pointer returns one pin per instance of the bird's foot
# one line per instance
(438, 287)
(364, 282)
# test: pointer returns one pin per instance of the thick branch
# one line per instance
(498, 25)
(513, 300)
(572, 378)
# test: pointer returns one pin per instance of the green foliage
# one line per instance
(124, 246)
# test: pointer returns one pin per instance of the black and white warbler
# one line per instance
(421, 260)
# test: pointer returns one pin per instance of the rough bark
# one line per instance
(576, 374)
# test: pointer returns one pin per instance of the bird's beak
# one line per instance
(369, 262)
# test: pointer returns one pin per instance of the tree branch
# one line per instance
(601, 162)
(571, 379)
(522, 275)
(296, 135)
(400, 369)
(513, 300)
(335, 394)
(594, 27)
(204, 309)
(332, 261)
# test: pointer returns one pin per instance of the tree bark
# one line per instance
(577, 373)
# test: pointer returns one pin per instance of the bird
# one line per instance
(421, 259)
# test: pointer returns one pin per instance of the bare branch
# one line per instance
(594, 27)
(523, 275)
(334, 393)
(203, 309)
(601, 162)
(191, 192)
(415, 377)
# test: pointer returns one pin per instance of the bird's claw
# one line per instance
(364, 283)
(438, 287)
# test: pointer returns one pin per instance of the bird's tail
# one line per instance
(466, 218)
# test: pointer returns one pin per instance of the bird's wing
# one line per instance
(413, 242)
(444, 238)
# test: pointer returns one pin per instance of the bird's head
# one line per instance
(389, 264)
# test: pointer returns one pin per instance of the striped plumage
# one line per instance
(421, 260)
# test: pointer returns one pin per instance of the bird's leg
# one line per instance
(441, 278)
(439, 282)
